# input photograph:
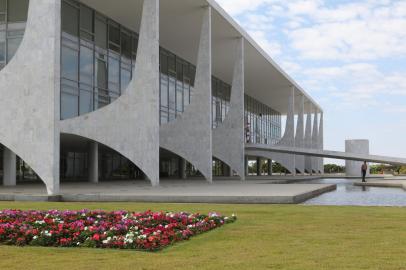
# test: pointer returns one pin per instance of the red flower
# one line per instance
(96, 237)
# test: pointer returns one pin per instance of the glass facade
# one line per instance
(220, 168)
(97, 63)
(112, 166)
(176, 84)
(262, 124)
(13, 19)
(221, 93)
(97, 59)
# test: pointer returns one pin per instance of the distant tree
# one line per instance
(382, 168)
(278, 168)
(402, 170)
(333, 168)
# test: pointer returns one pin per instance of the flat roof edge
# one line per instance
(247, 37)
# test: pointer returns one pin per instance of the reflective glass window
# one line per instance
(101, 74)
(69, 105)
(70, 19)
(126, 45)
(17, 10)
(12, 46)
(86, 65)
(86, 19)
(114, 74)
(179, 96)
(85, 99)
(69, 63)
(3, 5)
(2, 47)
(186, 92)
(125, 79)
(100, 33)
(114, 37)
(164, 90)
(172, 92)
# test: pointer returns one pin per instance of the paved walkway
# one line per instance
(393, 183)
(184, 191)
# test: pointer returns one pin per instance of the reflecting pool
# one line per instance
(348, 194)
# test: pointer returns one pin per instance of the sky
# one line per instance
(350, 56)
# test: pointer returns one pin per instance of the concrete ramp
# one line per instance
(258, 148)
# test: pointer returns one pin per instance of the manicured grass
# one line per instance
(264, 237)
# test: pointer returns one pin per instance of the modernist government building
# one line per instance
(97, 90)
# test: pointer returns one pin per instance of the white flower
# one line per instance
(142, 236)
(35, 237)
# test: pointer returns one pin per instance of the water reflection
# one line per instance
(348, 194)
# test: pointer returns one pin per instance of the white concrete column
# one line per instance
(190, 134)
(321, 142)
(94, 162)
(315, 139)
(229, 138)
(353, 168)
(299, 138)
(288, 139)
(130, 124)
(308, 139)
(9, 167)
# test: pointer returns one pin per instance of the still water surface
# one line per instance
(348, 194)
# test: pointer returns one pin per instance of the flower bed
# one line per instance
(99, 229)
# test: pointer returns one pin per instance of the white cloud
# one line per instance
(236, 7)
(349, 55)
(272, 48)
(364, 30)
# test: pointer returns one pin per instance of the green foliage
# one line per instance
(333, 168)
(278, 168)
(383, 168)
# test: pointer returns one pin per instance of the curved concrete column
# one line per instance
(321, 142)
(288, 139)
(130, 125)
(228, 138)
(299, 138)
(353, 168)
(190, 134)
(315, 141)
(29, 89)
(308, 140)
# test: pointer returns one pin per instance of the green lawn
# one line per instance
(264, 237)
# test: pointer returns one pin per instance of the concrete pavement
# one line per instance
(179, 191)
